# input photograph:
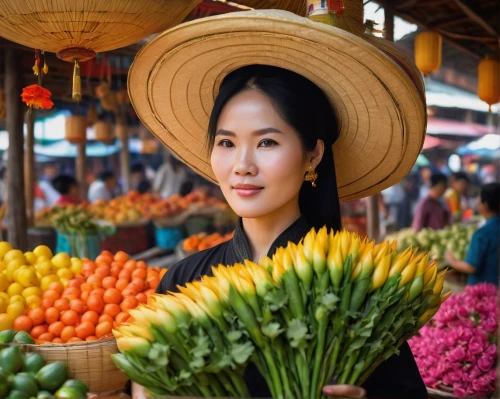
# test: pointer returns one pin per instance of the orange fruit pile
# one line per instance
(93, 303)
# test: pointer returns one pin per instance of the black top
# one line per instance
(397, 377)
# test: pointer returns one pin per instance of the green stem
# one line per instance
(260, 362)
(240, 385)
(353, 358)
(226, 382)
(315, 390)
(273, 370)
(332, 363)
(284, 372)
(303, 372)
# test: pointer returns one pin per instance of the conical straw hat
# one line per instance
(377, 92)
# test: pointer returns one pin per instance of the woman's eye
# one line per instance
(267, 143)
(225, 143)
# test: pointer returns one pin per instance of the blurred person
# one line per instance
(430, 212)
(425, 181)
(49, 173)
(406, 205)
(138, 179)
(456, 199)
(481, 262)
(103, 188)
(68, 187)
(170, 178)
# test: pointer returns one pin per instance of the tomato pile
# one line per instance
(93, 302)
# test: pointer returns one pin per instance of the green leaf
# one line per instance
(272, 330)
(240, 353)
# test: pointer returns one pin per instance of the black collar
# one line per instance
(295, 232)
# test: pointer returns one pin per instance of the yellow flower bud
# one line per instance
(303, 268)
(354, 250)
(345, 244)
(428, 314)
(137, 345)
(322, 237)
(446, 296)
(379, 251)
(381, 272)
(430, 275)
(438, 285)
(367, 264)
(401, 262)
(319, 258)
(393, 246)
(422, 265)
(308, 245)
(278, 271)
(407, 273)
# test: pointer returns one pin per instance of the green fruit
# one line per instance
(11, 359)
(4, 385)
(33, 363)
(15, 394)
(52, 376)
(44, 395)
(23, 337)
(6, 336)
(70, 393)
(25, 382)
(76, 384)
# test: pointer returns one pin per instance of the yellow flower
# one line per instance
(278, 271)
(381, 272)
(308, 245)
(408, 273)
(367, 264)
(261, 277)
(335, 263)
(438, 285)
(422, 265)
(379, 251)
(430, 276)
(323, 239)
(137, 345)
(446, 296)
(401, 262)
(302, 267)
(135, 330)
(319, 258)
(345, 244)
(354, 250)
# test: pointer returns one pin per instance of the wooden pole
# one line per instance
(16, 205)
(125, 163)
(29, 166)
(81, 169)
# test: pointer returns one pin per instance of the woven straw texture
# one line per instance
(98, 25)
(87, 361)
(382, 111)
(296, 6)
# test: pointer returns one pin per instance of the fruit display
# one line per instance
(24, 277)
(25, 376)
(126, 209)
(330, 308)
(455, 238)
(202, 241)
(78, 220)
(177, 204)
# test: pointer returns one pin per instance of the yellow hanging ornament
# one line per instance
(488, 81)
(428, 51)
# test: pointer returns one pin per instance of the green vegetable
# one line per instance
(33, 363)
(4, 384)
(24, 382)
(6, 336)
(76, 384)
(11, 359)
(44, 395)
(52, 376)
(22, 337)
(16, 394)
(70, 393)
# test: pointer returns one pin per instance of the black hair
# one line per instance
(144, 186)
(490, 195)
(460, 176)
(106, 175)
(438, 178)
(306, 108)
(137, 168)
(63, 184)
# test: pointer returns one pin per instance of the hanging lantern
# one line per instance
(121, 131)
(76, 129)
(488, 81)
(77, 30)
(428, 51)
(103, 131)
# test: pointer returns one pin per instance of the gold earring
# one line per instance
(311, 176)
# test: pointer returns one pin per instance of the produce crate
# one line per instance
(42, 236)
(168, 237)
(133, 239)
(79, 246)
(89, 362)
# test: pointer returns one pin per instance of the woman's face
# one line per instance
(258, 159)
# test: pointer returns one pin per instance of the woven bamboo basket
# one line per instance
(89, 362)
(296, 6)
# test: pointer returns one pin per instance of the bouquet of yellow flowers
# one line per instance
(332, 306)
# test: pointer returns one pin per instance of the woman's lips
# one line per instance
(247, 190)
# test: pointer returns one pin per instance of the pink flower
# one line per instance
(485, 363)
(457, 354)
(490, 324)
(460, 392)
(475, 345)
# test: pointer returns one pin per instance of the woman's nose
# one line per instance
(245, 163)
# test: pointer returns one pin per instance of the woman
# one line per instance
(271, 134)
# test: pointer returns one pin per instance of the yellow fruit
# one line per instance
(30, 258)
(47, 280)
(14, 254)
(43, 250)
(5, 296)
(64, 282)
(5, 247)
(17, 271)
(42, 259)
(76, 266)
(3, 305)
(27, 277)
(27, 292)
(15, 289)
(2, 265)
(61, 260)
(65, 274)
(16, 309)
(6, 322)
(4, 283)
(33, 301)
(17, 298)
(45, 268)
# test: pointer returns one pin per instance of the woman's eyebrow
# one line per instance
(260, 132)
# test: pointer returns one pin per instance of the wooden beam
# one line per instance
(473, 15)
(16, 206)
(81, 169)
(389, 24)
(29, 167)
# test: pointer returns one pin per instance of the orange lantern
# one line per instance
(103, 131)
(76, 129)
(428, 51)
(488, 81)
